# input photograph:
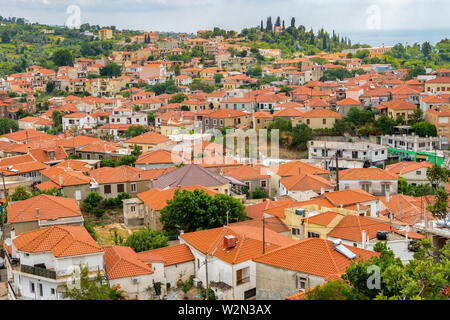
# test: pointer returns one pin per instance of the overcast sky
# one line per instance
(193, 15)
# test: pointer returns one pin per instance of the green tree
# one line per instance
(438, 176)
(357, 274)
(89, 228)
(20, 193)
(57, 120)
(423, 129)
(136, 152)
(134, 131)
(127, 160)
(62, 57)
(23, 113)
(151, 118)
(91, 204)
(426, 49)
(146, 239)
(333, 290)
(177, 69)
(255, 71)
(425, 277)
(108, 163)
(416, 117)
(385, 125)
(7, 126)
(111, 70)
(301, 134)
(259, 194)
(83, 288)
(164, 87)
(178, 98)
(197, 210)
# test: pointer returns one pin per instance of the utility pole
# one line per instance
(337, 171)
(264, 234)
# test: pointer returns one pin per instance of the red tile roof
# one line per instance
(61, 241)
(170, 255)
(50, 207)
(123, 262)
(313, 256)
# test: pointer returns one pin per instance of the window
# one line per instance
(133, 187)
(31, 287)
(250, 293)
(301, 283)
(52, 290)
(41, 293)
(77, 195)
(385, 188)
(324, 121)
(295, 231)
(313, 235)
(107, 188)
(263, 183)
(308, 121)
(418, 172)
(120, 187)
(365, 187)
(242, 276)
(133, 208)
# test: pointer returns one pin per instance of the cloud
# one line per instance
(192, 15)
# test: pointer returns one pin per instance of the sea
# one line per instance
(376, 38)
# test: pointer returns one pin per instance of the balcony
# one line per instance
(41, 272)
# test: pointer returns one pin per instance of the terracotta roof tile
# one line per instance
(61, 241)
(123, 262)
(326, 260)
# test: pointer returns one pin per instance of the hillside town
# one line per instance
(119, 165)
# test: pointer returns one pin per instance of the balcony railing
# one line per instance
(45, 273)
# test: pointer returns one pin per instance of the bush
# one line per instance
(187, 285)
(211, 295)
(146, 239)
(90, 204)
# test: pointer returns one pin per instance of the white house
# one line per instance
(223, 258)
(78, 120)
(42, 261)
(128, 116)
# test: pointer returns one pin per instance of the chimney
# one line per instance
(37, 213)
(229, 242)
(21, 215)
(60, 180)
(388, 197)
(364, 239)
